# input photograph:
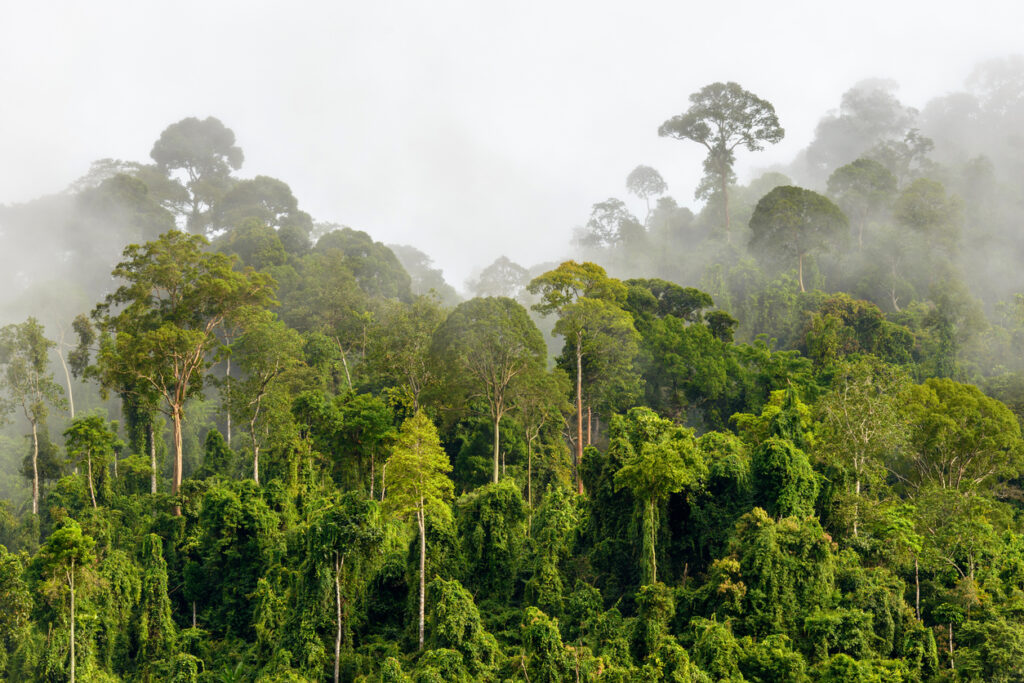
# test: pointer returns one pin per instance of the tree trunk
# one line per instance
(497, 425)
(92, 490)
(800, 270)
(952, 662)
(373, 473)
(67, 377)
(420, 518)
(856, 508)
(337, 605)
(152, 457)
(35, 468)
(176, 481)
(344, 363)
(590, 425)
(654, 555)
(725, 205)
(71, 583)
(227, 403)
(579, 413)
(255, 450)
(383, 479)
(892, 288)
(529, 474)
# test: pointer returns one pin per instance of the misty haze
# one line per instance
(460, 343)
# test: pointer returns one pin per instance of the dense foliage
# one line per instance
(776, 441)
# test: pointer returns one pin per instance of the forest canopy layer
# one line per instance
(775, 437)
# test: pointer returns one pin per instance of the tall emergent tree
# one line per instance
(793, 222)
(722, 117)
(205, 150)
(419, 485)
(645, 182)
(492, 342)
(158, 330)
(24, 354)
(592, 323)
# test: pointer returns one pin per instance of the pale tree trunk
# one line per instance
(344, 362)
(590, 425)
(373, 473)
(67, 377)
(383, 479)
(420, 519)
(176, 482)
(255, 448)
(579, 413)
(952, 662)
(35, 468)
(71, 583)
(800, 270)
(152, 457)
(92, 490)
(856, 508)
(227, 406)
(529, 474)
(497, 425)
(338, 565)
(654, 555)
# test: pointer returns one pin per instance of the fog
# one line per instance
(466, 130)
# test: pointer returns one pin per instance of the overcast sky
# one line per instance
(467, 129)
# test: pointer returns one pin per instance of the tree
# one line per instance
(24, 353)
(587, 302)
(66, 562)
(492, 342)
(610, 224)
(862, 189)
(960, 438)
(539, 398)
(156, 631)
(266, 352)
(791, 221)
(645, 182)
(658, 459)
(344, 526)
(425, 279)
(926, 209)
(367, 425)
(398, 352)
(206, 152)
(502, 278)
(158, 330)
(868, 112)
(91, 439)
(722, 117)
(860, 422)
(419, 485)
(268, 200)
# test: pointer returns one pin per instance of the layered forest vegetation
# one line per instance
(778, 439)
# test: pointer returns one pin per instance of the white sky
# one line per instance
(468, 129)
